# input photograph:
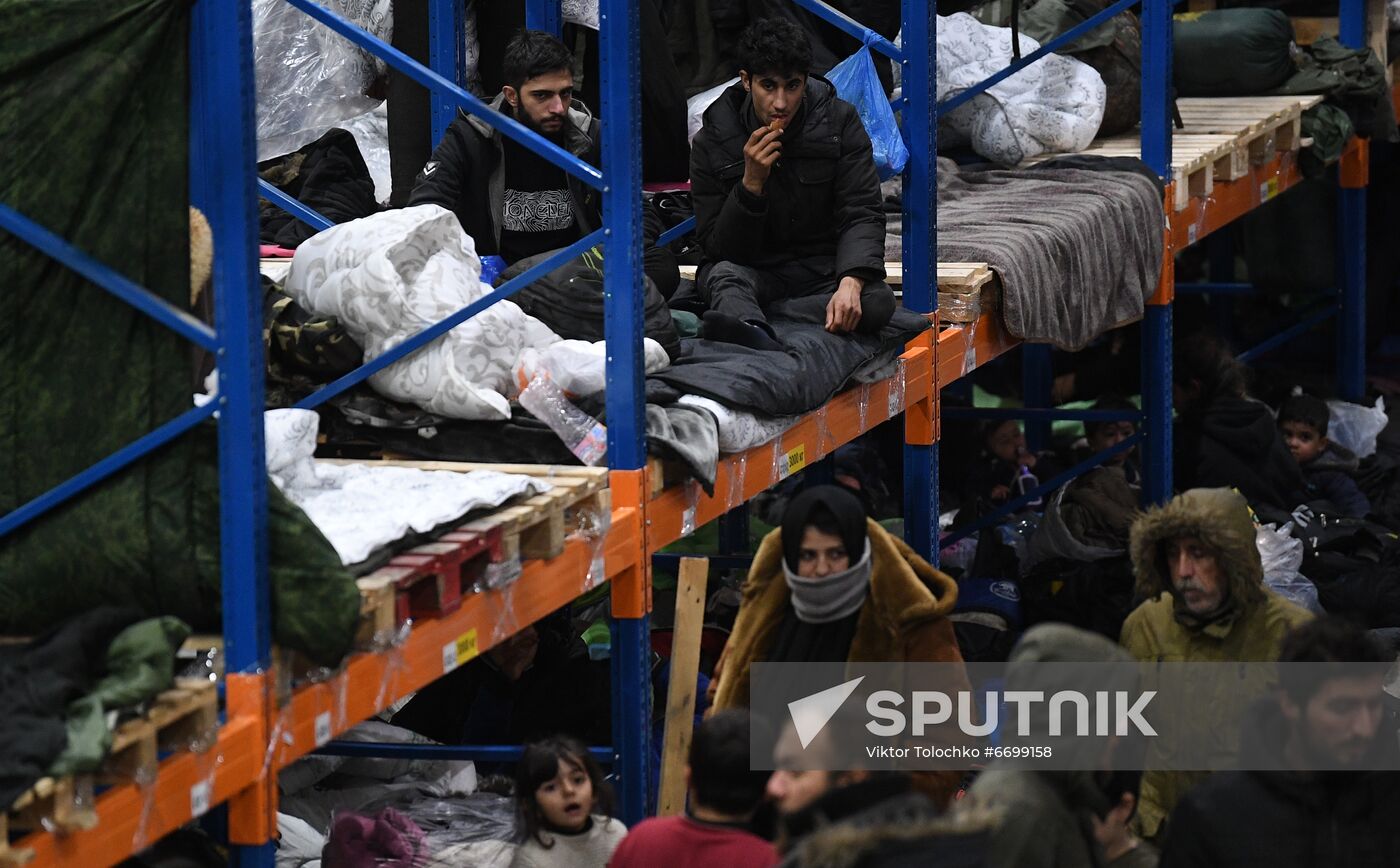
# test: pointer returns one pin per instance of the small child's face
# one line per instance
(566, 801)
(1303, 441)
(1006, 441)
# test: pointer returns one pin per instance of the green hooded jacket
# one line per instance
(1220, 519)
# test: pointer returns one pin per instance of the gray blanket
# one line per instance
(1078, 251)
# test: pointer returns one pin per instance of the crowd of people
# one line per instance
(789, 209)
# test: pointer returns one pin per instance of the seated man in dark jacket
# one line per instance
(1317, 783)
(787, 199)
(511, 201)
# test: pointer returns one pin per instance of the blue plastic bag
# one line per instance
(858, 84)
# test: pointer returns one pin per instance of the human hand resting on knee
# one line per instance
(843, 311)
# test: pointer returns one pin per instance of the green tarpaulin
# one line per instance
(94, 137)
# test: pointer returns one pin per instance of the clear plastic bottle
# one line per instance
(585, 436)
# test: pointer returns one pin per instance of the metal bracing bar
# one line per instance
(1214, 288)
(1041, 490)
(1157, 403)
(447, 752)
(304, 213)
(445, 58)
(1050, 47)
(918, 123)
(152, 305)
(619, 73)
(545, 15)
(462, 99)
(1156, 86)
(1351, 273)
(717, 562)
(682, 228)
(851, 27)
(438, 329)
(1325, 311)
(1049, 413)
(1036, 383)
(90, 476)
(223, 150)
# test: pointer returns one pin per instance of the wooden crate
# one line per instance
(1221, 140)
(185, 717)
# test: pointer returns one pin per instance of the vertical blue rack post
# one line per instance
(445, 58)
(1351, 239)
(1157, 319)
(619, 47)
(223, 152)
(920, 249)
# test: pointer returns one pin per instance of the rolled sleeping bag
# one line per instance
(1231, 52)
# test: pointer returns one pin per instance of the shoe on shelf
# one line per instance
(754, 334)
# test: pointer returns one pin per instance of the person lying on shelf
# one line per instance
(1327, 466)
(831, 585)
(787, 198)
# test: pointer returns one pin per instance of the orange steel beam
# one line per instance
(678, 510)
(131, 818)
(369, 683)
(964, 348)
(252, 817)
(631, 584)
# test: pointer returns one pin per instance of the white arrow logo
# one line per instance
(811, 714)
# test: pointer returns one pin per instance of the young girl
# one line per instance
(564, 805)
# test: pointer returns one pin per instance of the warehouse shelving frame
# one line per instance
(258, 736)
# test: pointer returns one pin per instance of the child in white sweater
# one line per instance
(564, 803)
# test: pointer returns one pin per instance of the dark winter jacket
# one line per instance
(822, 197)
(329, 176)
(1331, 478)
(883, 823)
(1234, 443)
(1280, 819)
(467, 175)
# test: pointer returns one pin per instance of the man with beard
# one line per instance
(511, 201)
(1202, 582)
(1318, 783)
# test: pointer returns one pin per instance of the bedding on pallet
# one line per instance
(1077, 241)
(363, 508)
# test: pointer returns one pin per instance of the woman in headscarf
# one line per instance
(830, 585)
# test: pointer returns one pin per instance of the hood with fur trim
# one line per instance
(1219, 518)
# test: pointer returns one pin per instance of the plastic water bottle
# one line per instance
(1026, 482)
(585, 436)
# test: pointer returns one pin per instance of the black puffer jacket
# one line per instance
(1281, 819)
(822, 197)
(1235, 443)
(467, 174)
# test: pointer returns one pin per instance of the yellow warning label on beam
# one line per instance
(794, 460)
